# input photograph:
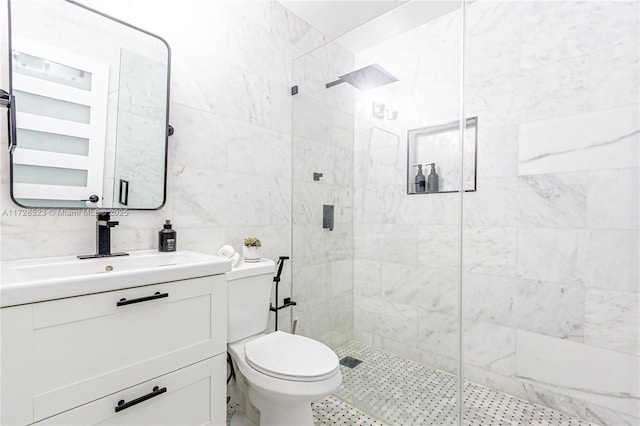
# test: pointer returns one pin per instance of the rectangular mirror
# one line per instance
(439, 146)
(91, 104)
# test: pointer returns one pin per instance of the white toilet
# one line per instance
(278, 374)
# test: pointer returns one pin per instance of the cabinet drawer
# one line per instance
(76, 350)
(194, 395)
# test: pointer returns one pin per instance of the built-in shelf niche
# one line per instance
(440, 144)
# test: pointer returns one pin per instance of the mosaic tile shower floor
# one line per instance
(397, 391)
(389, 390)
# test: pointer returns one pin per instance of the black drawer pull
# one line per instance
(124, 405)
(157, 295)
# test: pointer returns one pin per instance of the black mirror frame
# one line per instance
(11, 114)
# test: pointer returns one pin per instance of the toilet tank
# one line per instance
(248, 298)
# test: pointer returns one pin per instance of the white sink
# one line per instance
(35, 280)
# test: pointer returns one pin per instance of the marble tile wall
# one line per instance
(586, 141)
(229, 170)
(323, 143)
(550, 238)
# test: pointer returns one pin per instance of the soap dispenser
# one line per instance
(167, 238)
(420, 180)
(433, 183)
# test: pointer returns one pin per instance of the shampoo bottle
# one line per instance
(167, 238)
(433, 183)
(420, 180)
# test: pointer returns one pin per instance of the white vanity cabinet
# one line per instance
(154, 354)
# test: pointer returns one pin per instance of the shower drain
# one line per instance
(349, 361)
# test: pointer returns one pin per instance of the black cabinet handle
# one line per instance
(124, 405)
(157, 295)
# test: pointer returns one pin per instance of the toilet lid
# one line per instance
(291, 357)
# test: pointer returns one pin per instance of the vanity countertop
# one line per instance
(48, 278)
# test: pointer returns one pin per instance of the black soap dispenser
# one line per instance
(420, 180)
(167, 238)
(433, 181)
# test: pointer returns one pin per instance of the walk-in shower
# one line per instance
(521, 292)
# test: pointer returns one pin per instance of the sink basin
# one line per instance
(35, 280)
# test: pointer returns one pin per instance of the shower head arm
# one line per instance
(335, 83)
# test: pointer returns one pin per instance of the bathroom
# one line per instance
(506, 294)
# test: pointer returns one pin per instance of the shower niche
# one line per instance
(433, 158)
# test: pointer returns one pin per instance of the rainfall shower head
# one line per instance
(365, 78)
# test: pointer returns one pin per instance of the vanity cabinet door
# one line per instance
(193, 395)
(72, 351)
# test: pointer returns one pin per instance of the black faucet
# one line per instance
(103, 237)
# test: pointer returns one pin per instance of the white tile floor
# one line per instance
(389, 390)
(332, 411)
(397, 391)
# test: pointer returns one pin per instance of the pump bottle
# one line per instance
(167, 238)
(420, 180)
(433, 183)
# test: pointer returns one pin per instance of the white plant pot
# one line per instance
(251, 253)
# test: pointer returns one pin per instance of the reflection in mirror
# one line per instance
(91, 103)
(141, 117)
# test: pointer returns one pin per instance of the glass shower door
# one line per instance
(375, 265)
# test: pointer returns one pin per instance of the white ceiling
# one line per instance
(335, 18)
(376, 21)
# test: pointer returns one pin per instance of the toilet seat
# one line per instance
(291, 357)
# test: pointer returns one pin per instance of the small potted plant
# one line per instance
(251, 249)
